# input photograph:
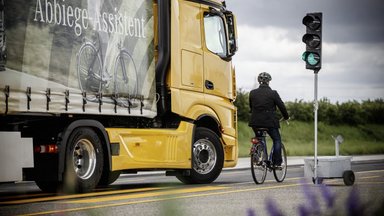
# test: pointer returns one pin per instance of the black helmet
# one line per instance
(264, 77)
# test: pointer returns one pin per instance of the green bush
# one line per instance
(373, 111)
(351, 112)
(242, 104)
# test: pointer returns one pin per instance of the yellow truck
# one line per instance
(92, 89)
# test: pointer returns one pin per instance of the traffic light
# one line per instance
(312, 39)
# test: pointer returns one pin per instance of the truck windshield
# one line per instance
(215, 35)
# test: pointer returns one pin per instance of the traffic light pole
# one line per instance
(315, 108)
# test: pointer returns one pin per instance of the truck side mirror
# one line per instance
(232, 32)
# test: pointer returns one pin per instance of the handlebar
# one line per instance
(286, 120)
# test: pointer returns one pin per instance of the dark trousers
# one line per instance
(275, 135)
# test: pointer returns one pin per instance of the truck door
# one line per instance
(191, 54)
(217, 67)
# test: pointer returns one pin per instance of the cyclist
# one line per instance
(263, 102)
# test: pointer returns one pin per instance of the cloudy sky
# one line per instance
(270, 33)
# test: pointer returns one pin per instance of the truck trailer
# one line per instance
(91, 89)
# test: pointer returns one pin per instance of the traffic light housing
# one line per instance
(313, 39)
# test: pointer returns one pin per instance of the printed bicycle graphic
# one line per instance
(94, 77)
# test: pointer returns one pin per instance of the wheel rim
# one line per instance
(84, 159)
(204, 154)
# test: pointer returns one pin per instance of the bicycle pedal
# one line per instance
(278, 168)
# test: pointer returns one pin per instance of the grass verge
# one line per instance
(298, 138)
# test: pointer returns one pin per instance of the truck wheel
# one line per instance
(84, 161)
(207, 158)
(348, 177)
(48, 186)
(109, 177)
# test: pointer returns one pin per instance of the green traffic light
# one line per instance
(311, 58)
(304, 56)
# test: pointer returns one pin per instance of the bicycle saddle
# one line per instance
(262, 129)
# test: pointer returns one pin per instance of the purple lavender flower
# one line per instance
(251, 212)
(311, 197)
(353, 204)
(304, 211)
(328, 196)
(272, 208)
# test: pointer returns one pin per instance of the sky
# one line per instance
(270, 39)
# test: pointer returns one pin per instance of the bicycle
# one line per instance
(261, 162)
(93, 76)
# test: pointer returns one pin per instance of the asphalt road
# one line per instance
(233, 193)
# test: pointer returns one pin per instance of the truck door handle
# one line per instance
(209, 85)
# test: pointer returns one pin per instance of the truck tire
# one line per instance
(207, 158)
(84, 161)
(109, 177)
(48, 186)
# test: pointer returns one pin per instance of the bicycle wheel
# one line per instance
(89, 69)
(281, 173)
(258, 165)
(125, 76)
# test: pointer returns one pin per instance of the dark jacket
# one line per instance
(263, 102)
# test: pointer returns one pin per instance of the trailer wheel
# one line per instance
(319, 180)
(348, 177)
(207, 158)
(84, 161)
